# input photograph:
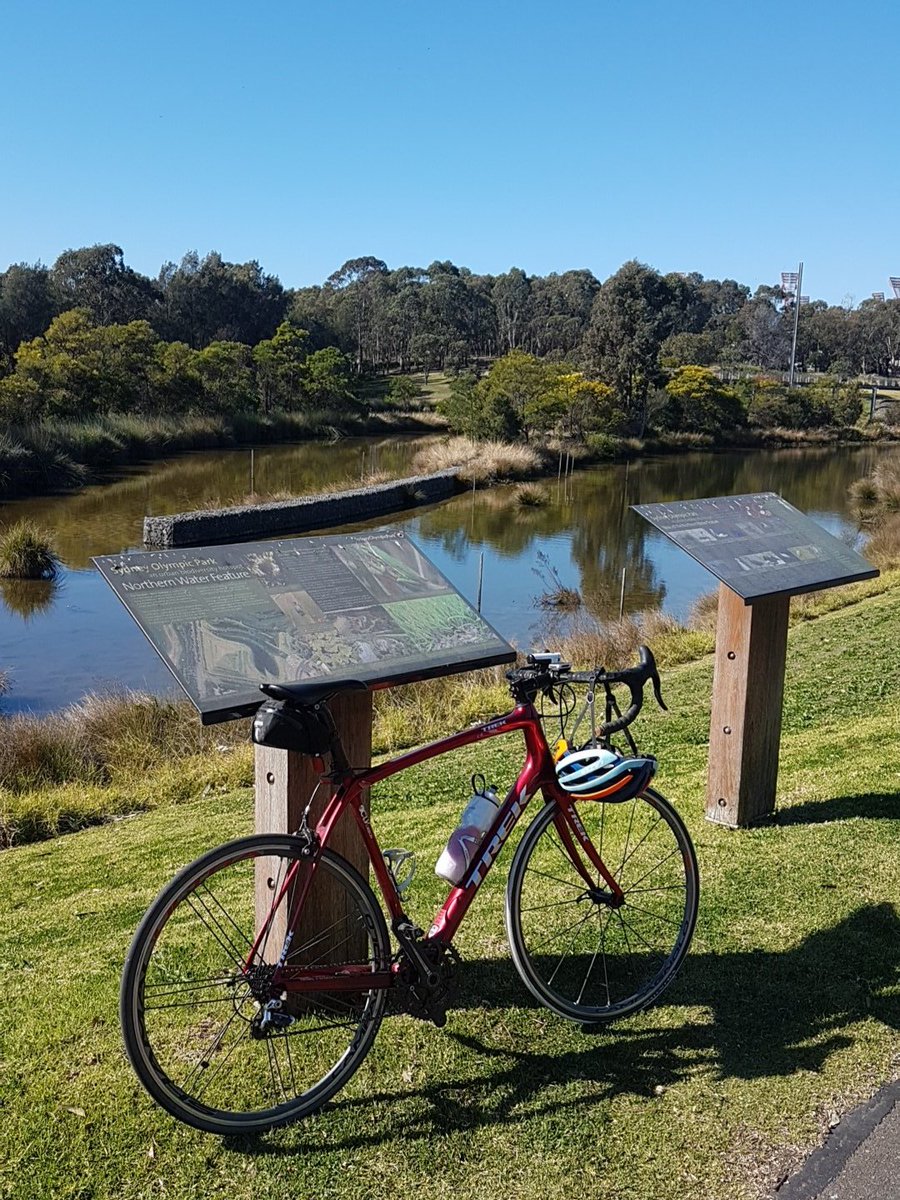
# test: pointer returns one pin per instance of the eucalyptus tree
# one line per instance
(630, 319)
(209, 299)
(97, 279)
(511, 295)
(27, 307)
(358, 288)
(560, 311)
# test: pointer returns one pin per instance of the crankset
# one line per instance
(425, 975)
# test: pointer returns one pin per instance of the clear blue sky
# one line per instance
(732, 139)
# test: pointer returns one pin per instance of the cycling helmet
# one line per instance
(594, 773)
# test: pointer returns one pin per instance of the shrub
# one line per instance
(26, 552)
(602, 445)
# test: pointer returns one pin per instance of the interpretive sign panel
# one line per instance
(368, 606)
(758, 545)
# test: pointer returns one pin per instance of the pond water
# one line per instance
(60, 640)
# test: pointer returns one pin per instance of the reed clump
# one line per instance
(26, 552)
(531, 495)
(480, 462)
(877, 496)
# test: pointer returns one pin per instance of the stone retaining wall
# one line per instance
(248, 521)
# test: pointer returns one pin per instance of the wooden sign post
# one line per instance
(284, 783)
(763, 551)
(745, 725)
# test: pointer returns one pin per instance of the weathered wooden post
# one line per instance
(284, 782)
(763, 551)
(745, 724)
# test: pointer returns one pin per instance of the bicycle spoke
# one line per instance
(206, 1055)
(558, 847)
(173, 988)
(290, 1059)
(587, 974)
(562, 932)
(627, 840)
(193, 1003)
(230, 949)
(653, 868)
(650, 913)
(248, 942)
(638, 845)
(274, 1069)
(220, 1065)
(579, 887)
(336, 946)
(663, 887)
(568, 949)
(552, 904)
(625, 926)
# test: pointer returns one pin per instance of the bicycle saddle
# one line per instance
(312, 693)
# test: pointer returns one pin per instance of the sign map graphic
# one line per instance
(368, 606)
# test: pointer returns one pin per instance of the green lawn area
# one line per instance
(786, 1011)
(437, 388)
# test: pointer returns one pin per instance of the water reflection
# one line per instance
(106, 518)
(82, 638)
(28, 598)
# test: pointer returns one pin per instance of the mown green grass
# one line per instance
(786, 1011)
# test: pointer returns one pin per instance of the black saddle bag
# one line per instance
(305, 729)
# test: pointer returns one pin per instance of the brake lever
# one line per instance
(649, 663)
(657, 693)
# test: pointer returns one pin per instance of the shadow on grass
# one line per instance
(772, 1014)
(841, 808)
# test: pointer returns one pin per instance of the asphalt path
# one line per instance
(859, 1161)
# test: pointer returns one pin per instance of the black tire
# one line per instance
(201, 1057)
(577, 954)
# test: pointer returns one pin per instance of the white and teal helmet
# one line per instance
(594, 773)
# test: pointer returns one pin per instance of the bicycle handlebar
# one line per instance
(545, 671)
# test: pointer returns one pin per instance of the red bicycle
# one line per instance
(257, 981)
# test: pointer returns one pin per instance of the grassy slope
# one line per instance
(786, 1011)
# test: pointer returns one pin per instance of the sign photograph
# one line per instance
(371, 606)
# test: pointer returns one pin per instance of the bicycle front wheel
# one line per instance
(579, 953)
(210, 1037)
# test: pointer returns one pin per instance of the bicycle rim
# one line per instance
(578, 953)
(191, 1013)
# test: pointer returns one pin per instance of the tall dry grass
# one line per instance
(103, 737)
(883, 547)
(877, 496)
(479, 462)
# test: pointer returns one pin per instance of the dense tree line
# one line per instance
(78, 370)
(90, 334)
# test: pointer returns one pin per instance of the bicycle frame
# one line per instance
(537, 773)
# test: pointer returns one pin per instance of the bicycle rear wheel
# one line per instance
(576, 952)
(192, 1014)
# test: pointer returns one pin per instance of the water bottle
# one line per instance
(465, 840)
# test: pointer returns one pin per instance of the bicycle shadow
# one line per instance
(869, 805)
(760, 1014)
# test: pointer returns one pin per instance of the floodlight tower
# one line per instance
(793, 281)
(895, 284)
